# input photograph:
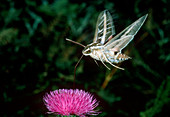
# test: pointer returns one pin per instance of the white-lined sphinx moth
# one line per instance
(107, 48)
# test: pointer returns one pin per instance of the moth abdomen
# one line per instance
(123, 57)
(118, 58)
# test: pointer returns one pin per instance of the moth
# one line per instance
(106, 47)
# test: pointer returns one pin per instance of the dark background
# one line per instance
(35, 58)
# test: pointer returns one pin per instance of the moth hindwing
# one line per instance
(107, 48)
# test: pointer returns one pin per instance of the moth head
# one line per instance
(87, 51)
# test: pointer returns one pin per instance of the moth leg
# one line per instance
(111, 63)
(103, 63)
(96, 62)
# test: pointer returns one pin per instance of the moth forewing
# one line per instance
(104, 27)
(130, 30)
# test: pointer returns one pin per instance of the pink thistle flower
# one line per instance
(71, 102)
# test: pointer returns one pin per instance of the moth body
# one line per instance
(97, 51)
(107, 48)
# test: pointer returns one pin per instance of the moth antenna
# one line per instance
(76, 42)
(75, 70)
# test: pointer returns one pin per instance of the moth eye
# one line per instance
(88, 51)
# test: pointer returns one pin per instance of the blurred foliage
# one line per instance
(162, 98)
(35, 57)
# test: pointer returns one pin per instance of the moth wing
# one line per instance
(104, 27)
(122, 43)
(121, 40)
